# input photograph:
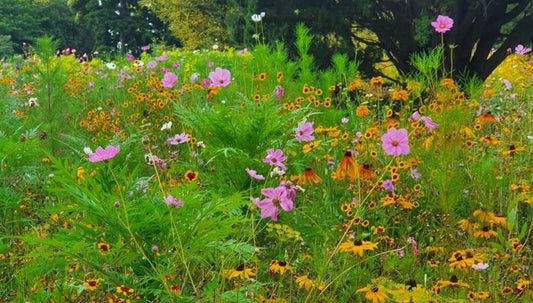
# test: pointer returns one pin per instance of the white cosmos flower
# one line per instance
(256, 18)
(111, 65)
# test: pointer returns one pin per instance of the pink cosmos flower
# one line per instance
(396, 142)
(145, 48)
(90, 84)
(178, 139)
(304, 131)
(279, 92)
(414, 174)
(172, 201)
(206, 82)
(254, 174)
(442, 24)
(521, 50)
(162, 58)
(414, 117)
(275, 158)
(151, 64)
(102, 154)
(507, 84)
(480, 266)
(289, 188)
(169, 79)
(269, 206)
(220, 77)
(130, 57)
(429, 123)
(414, 244)
(388, 185)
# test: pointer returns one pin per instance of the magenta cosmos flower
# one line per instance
(304, 131)
(275, 158)
(169, 79)
(172, 201)
(254, 174)
(442, 24)
(396, 142)
(178, 139)
(269, 206)
(102, 154)
(220, 77)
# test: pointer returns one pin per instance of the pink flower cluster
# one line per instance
(427, 121)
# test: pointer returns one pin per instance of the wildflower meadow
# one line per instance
(249, 175)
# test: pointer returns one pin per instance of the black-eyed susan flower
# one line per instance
(485, 232)
(239, 272)
(464, 259)
(454, 281)
(357, 247)
(304, 281)
(375, 293)
(278, 266)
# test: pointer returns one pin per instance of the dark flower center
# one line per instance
(374, 289)
(275, 202)
(357, 242)
(240, 267)
(486, 229)
(411, 284)
(454, 279)
(394, 143)
(282, 263)
(274, 160)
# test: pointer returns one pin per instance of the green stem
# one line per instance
(442, 54)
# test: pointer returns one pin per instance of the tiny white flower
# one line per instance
(215, 47)
(87, 150)
(277, 171)
(255, 36)
(111, 65)
(262, 14)
(223, 101)
(256, 18)
(167, 125)
(33, 102)
(200, 144)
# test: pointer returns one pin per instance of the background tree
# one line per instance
(108, 24)
(402, 28)
(25, 21)
(196, 24)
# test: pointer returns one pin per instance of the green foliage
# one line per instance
(6, 46)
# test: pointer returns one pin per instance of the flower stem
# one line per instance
(442, 54)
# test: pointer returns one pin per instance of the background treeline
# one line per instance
(374, 31)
